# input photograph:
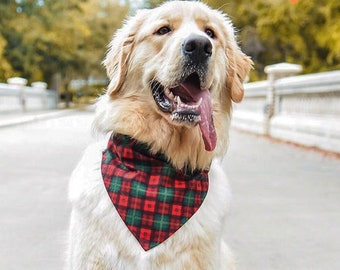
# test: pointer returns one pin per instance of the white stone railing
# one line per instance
(16, 96)
(302, 109)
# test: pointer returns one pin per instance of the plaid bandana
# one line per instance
(153, 198)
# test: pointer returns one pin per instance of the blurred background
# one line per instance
(62, 43)
(284, 154)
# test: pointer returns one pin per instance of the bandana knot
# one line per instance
(153, 198)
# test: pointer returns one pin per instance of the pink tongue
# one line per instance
(206, 124)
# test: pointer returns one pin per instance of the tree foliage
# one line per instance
(39, 38)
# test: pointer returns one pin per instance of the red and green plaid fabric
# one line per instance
(151, 196)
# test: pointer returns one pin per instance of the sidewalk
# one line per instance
(16, 118)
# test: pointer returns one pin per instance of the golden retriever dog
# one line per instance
(152, 195)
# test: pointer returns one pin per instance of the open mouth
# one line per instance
(187, 103)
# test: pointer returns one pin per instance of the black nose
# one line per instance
(197, 48)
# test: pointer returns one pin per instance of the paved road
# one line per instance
(285, 212)
(35, 163)
(286, 206)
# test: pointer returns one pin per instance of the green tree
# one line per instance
(45, 37)
(6, 69)
(39, 38)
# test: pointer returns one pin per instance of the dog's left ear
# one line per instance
(120, 48)
(238, 68)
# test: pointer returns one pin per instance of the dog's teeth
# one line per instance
(178, 100)
(169, 94)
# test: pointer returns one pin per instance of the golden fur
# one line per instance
(136, 56)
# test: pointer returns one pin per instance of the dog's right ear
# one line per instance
(120, 48)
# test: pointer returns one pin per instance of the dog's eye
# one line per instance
(163, 30)
(210, 33)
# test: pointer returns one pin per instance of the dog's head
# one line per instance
(173, 72)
